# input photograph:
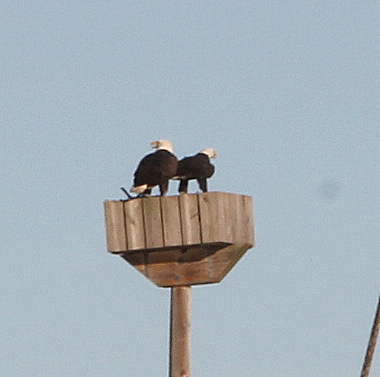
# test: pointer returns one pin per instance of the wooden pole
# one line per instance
(180, 331)
(371, 343)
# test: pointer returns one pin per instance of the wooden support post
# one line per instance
(178, 241)
(372, 343)
(180, 331)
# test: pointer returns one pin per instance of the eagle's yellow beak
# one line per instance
(154, 144)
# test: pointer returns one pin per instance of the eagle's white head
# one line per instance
(210, 152)
(163, 145)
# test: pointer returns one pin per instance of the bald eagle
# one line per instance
(195, 167)
(155, 169)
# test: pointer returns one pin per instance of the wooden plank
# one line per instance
(212, 216)
(189, 212)
(171, 221)
(134, 224)
(115, 226)
(249, 215)
(235, 216)
(240, 220)
(228, 223)
(243, 222)
(153, 222)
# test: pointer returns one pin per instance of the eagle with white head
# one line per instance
(155, 169)
(196, 167)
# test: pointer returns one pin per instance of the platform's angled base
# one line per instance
(190, 266)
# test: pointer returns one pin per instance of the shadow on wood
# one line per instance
(181, 240)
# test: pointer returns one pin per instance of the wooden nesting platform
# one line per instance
(183, 239)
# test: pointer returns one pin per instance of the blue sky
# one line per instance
(288, 94)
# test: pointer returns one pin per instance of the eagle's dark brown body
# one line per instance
(194, 167)
(155, 169)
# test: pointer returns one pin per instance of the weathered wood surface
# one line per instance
(115, 224)
(182, 220)
(190, 221)
(180, 314)
(171, 221)
(152, 222)
(134, 228)
(184, 239)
